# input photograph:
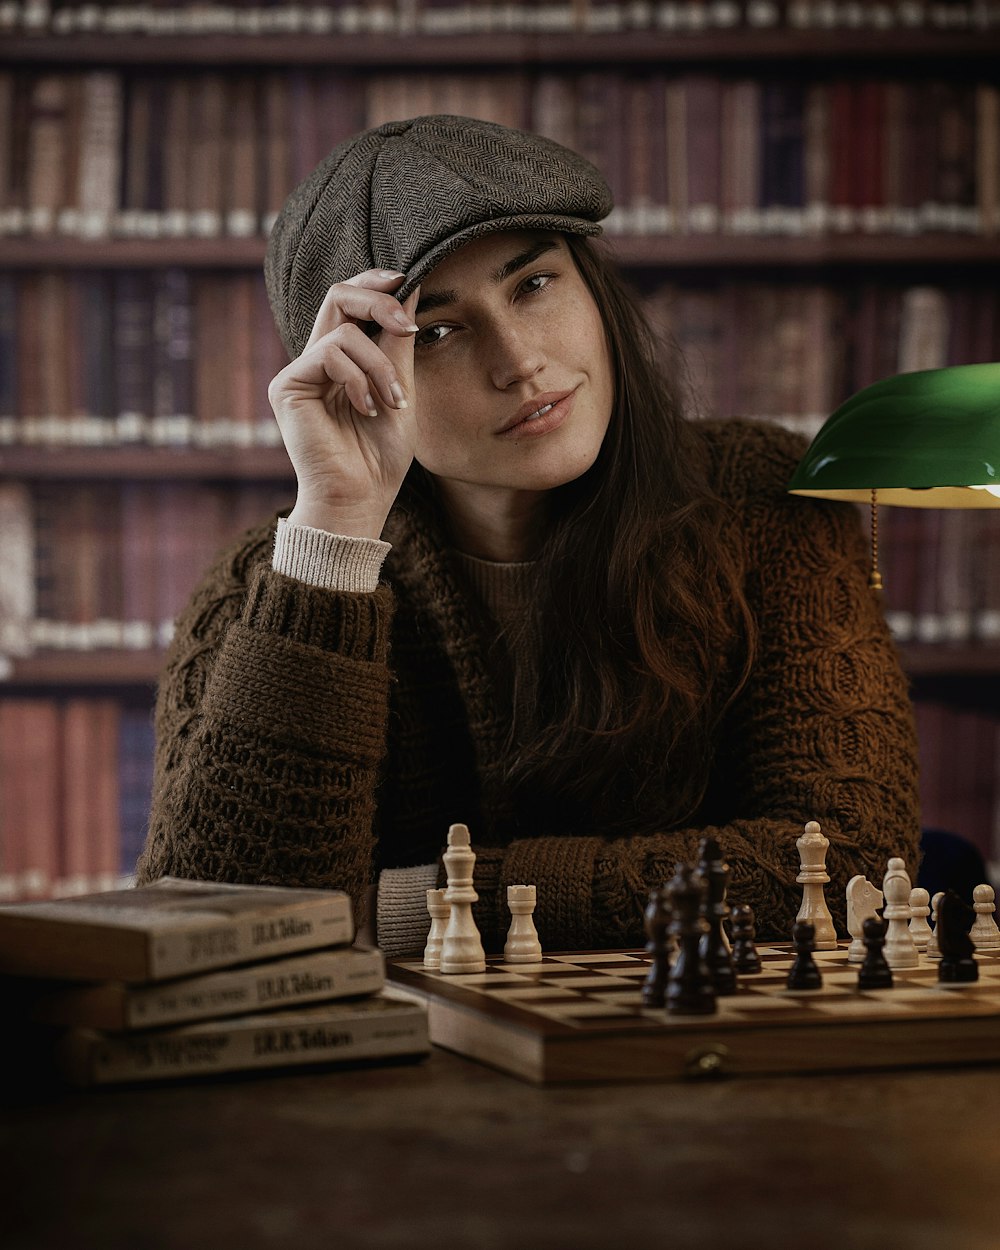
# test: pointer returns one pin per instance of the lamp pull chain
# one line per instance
(875, 577)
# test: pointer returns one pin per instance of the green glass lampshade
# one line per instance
(929, 439)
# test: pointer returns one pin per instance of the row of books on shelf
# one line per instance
(453, 17)
(191, 978)
(76, 777)
(167, 357)
(180, 358)
(941, 574)
(93, 566)
(165, 155)
(960, 773)
(110, 564)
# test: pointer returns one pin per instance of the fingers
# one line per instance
(365, 297)
(399, 350)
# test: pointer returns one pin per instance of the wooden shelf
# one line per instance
(113, 463)
(975, 665)
(951, 659)
(105, 669)
(693, 251)
(923, 49)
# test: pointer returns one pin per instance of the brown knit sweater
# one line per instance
(314, 737)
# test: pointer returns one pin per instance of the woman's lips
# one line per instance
(544, 423)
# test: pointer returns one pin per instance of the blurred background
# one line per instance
(807, 199)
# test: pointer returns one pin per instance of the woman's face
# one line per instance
(509, 329)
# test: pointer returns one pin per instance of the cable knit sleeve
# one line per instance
(271, 728)
(823, 731)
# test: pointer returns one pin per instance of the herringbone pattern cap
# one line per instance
(406, 194)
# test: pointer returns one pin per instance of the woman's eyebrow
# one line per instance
(439, 299)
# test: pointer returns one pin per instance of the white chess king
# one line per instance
(461, 946)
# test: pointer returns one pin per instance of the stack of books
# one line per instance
(188, 978)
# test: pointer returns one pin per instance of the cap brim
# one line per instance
(527, 221)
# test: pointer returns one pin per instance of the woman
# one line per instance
(517, 588)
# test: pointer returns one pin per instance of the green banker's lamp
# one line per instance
(929, 439)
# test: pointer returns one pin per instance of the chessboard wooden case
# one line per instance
(579, 1018)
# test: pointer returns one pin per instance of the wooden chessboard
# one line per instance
(579, 1017)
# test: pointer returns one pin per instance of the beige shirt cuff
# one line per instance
(331, 561)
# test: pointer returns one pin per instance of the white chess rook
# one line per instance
(438, 909)
(461, 946)
(813, 877)
(523, 946)
(900, 949)
(863, 901)
(984, 931)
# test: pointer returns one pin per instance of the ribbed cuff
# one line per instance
(403, 922)
(331, 561)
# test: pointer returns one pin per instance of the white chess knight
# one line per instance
(523, 946)
(900, 949)
(813, 877)
(932, 951)
(984, 931)
(461, 945)
(863, 902)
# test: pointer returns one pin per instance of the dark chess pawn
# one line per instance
(689, 984)
(714, 947)
(655, 921)
(874, 973)
(804, 974)
(954, 919)
(745, 957)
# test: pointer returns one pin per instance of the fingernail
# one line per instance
(370, 405)
(399, 395)
(405, 322)
(389, 273)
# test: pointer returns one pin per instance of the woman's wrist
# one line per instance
(351, 523)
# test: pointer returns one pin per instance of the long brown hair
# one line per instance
(647, 634)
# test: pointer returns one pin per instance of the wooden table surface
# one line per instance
(448, 1153)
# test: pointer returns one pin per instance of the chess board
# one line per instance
(579, 1017)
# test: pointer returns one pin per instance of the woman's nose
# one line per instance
(515, 355)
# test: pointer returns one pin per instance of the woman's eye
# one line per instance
(430, 335)
(537, 282)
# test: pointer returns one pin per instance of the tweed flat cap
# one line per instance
(405, 194)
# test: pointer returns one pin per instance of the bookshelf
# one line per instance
(898, 270)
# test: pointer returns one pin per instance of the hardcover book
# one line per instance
(119, 1006)
(167, 929)
(378, 1027)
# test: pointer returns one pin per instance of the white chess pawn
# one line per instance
(461, 946)
(984, 931)
(863, 901)
(812, 877)
(900, 950)
(438, 910)
(932, 951)
(523, 946)
(920, 930)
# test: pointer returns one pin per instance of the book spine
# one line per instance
(87, 1059)
(278, 983)
(326, 922)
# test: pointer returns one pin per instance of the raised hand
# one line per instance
(346, 407)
